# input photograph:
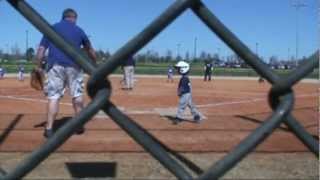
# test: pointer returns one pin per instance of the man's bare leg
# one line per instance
(77, 103)
(52, 111)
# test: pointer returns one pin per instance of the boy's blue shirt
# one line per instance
(184, 85)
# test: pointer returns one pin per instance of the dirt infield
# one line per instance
(232, 110)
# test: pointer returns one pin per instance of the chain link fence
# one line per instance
(281, 95)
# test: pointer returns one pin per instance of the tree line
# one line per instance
(151, 56)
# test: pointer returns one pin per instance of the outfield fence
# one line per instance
(281, 95)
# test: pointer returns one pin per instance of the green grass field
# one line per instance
(161, 69)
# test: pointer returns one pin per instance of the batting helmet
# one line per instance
(182, 67)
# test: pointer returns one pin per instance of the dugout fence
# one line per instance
(281, 95)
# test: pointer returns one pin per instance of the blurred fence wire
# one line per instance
(281, 95)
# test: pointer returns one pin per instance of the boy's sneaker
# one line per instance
(197, 118)
(177, 120)
(48, 133)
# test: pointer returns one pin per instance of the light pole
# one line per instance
(178, 51)
(27, 39)
(195, 48)
(27, 43)
(7, 46)
(257, 45)
(297, 5)
(218, 51)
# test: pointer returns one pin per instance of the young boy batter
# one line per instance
(184, 93)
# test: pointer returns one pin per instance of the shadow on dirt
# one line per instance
(59, 123)
(282, 128)
(10, 127)
(173, 118)
(259, 121)
(92, 169)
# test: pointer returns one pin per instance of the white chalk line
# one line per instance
(230, 103)
(158, 110)
(237, 93)
(30, 99)
(249, 101)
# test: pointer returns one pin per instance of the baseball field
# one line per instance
(232, 109)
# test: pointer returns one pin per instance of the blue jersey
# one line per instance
(129, 62)
(170, 71)
(184, 85)
(208, 67)
(1, 71)
(21, 69)
(72, 34)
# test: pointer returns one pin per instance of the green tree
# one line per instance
(1, 54)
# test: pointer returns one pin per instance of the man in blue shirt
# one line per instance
(62, 71)
(184, 93)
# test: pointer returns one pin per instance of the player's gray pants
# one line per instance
(20, 76)
(184, 101)
(129, 76)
